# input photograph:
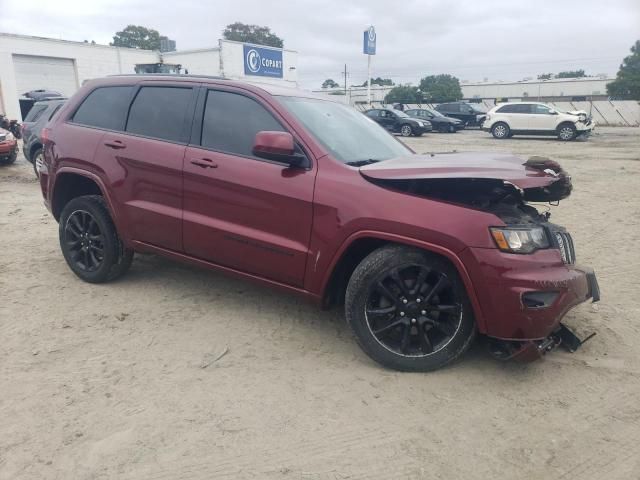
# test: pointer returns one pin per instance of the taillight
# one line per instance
(44, 135)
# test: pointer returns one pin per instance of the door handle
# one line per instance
(204, 163)
(115, 144)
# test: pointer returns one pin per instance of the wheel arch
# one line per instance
(34, 148)
(361, 244)
(71, 183)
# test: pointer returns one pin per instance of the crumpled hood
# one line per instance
(545, 179)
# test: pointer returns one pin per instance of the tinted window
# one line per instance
(105, 107)
(55, 110)
(35, 113)
(454, 108)
(515, 108)
(159, 112)
(231, 122)
(373, 113)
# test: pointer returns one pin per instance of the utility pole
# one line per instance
(345, 78)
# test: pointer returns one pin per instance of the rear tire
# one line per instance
(89, 241)
(500, 130)
(37, 161)
(409, 309)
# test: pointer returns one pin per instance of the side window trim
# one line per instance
(198, 124)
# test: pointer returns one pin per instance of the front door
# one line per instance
(541, 118)
(240, 211)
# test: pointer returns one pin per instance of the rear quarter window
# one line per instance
(105, 107)
(35, 113)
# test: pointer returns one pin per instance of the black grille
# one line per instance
(565, 244)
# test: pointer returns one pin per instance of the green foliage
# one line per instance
(337, 92)
(403, 94)
(241, 32)
(571, 74)
(383, 82)
(627, 82)
(440, 88)
(137, 36)
(545, 76)
(330, 83)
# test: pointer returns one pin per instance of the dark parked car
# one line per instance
(255, 181)
(399, 122)
(37, 118)
(471, 114)
(438, 121)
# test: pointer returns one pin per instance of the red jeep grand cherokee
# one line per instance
(308, 195)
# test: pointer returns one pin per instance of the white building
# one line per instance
(31, 63)
(555, 87)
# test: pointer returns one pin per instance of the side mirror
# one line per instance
(277, 146)
(553, 112)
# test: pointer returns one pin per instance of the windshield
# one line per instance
(435, 113)
(350, 136)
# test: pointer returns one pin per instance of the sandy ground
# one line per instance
(178, 373)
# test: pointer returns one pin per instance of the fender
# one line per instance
(445, 252)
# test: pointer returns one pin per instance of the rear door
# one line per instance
(241, 211)
(145, 162)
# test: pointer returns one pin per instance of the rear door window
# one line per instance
(105, 107)
(160, 112)
(231, 121)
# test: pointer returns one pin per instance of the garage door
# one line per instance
(51, 73)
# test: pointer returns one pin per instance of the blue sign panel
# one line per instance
(263, 62)
(369, 45)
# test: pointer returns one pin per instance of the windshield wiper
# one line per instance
(362, 163)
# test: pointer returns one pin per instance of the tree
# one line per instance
(241, 32)
(383, 82)
(440, 88)
(545, 76)
(137, 36)
(571, 74)
(627, 82)
(403, 94)
(330, 83)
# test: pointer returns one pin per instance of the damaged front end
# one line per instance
(526, 299)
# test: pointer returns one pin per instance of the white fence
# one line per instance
(618, 113)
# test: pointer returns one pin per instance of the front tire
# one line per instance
(566, 132)
(409, 309)
(10, 160)
(500, 131)
(406, 130)
(89, 241)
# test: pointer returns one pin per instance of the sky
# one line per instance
(471, 39)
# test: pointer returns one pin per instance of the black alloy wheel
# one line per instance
(409, 309)
(413, 310)
(84, 241)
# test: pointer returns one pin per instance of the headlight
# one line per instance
(8, 137)
(520, 240)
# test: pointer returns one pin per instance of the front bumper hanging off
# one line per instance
(527, 351)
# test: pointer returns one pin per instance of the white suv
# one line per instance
(524, 118)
